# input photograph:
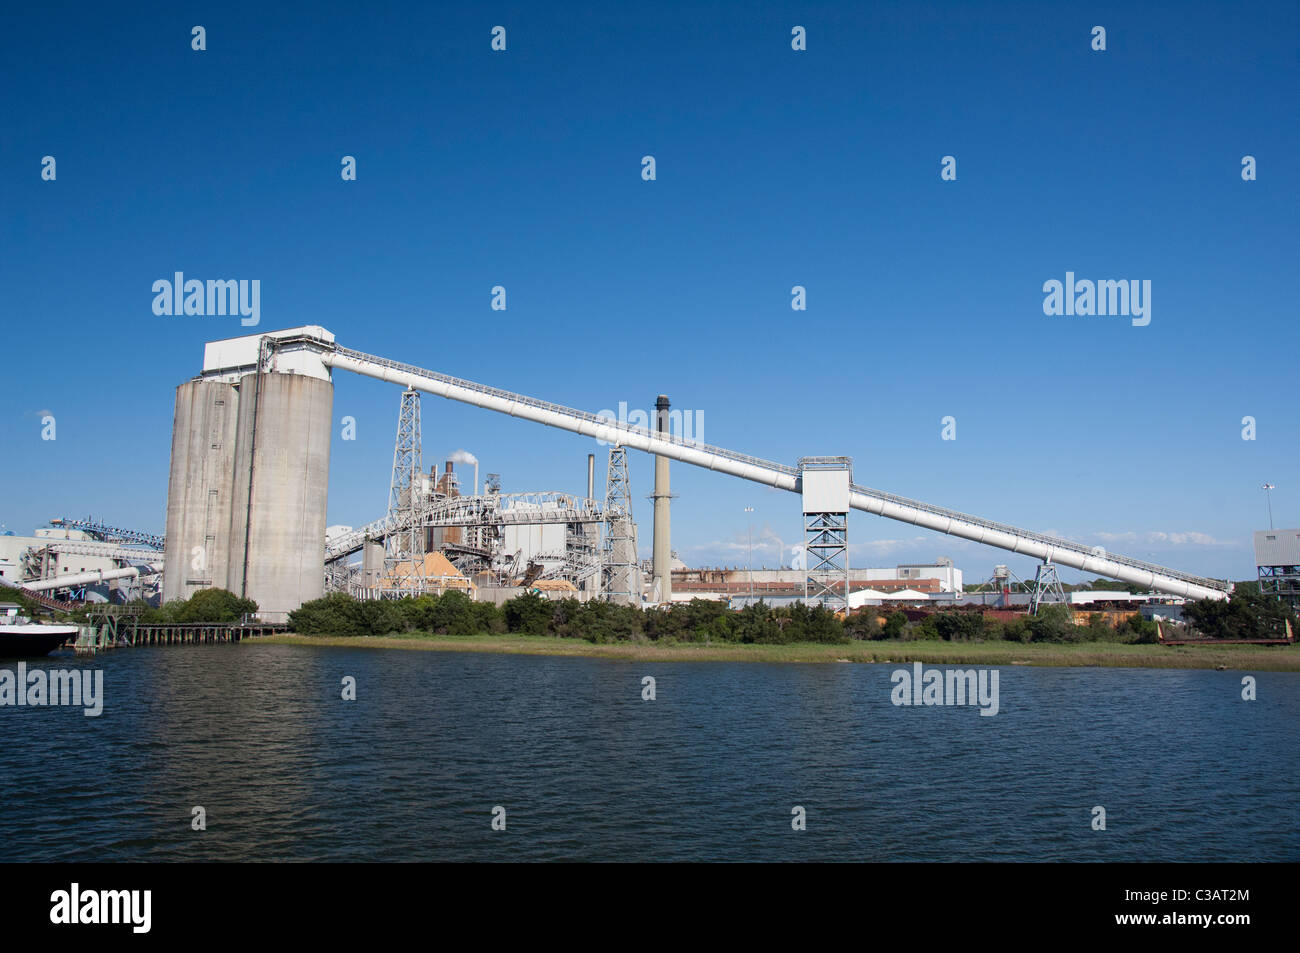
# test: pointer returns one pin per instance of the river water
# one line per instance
(585, 769)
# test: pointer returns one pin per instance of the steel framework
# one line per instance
(621, 571)
(1282, 582)
(826, 541)
(488, 510)
(1046, 587)
(103, 531)
(405, 549)
(826, 545)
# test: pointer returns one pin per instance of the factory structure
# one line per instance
(75, 557)
(1277, 564)
(249, 481)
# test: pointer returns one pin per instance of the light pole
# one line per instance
(1268, 488)
(749, 558)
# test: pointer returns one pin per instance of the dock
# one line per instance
(111, 626)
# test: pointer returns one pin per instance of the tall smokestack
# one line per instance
(591, 476)
(661, 565)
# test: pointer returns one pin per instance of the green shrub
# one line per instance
(1054, 623)
(959, 626)
(894, 625)
(863, 624)
(1246, 614)
(211, 605)
(528, 614)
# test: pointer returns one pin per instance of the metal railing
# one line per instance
(1054, 541)
(490, 509)
(561, 409)
(152, 540)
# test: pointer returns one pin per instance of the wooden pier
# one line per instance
(199, 633)
(119, 626)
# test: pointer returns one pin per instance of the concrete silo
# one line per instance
(281, 480)
(200, 488)
(258, 504)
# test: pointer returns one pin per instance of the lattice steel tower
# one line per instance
(404, 553)
(620, 568)
(824, 482)
(1047, 588)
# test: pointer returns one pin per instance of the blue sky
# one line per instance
(775, 168)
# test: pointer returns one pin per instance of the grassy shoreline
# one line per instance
(1084, 654)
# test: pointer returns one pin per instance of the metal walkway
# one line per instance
(492, 509)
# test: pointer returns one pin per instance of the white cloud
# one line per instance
(1159, 538)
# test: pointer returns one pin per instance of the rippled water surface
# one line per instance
(259, 736)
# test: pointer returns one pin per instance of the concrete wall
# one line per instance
(499, 595)
(199, 488)
(277, 535)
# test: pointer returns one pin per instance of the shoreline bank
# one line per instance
(1083, 654)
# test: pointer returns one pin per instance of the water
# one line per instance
(586, 770)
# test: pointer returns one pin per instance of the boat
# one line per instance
(24, 641)
(22, 638)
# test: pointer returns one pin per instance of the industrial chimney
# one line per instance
(661, 565)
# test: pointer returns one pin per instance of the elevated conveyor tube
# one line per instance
(75, 580)
(1037, 545)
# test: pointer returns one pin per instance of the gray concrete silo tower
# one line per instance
(199, 488)
(250, 474)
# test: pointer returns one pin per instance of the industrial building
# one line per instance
(773, 584)
(1277, 564)
(89, 560)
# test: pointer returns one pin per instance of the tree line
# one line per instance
(1248, 614)
(699, 620)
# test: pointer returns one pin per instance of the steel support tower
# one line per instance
(1047, 589)
(620, 568)
(405, 550)
(824, 483)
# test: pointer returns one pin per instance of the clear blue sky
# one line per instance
(775, 168)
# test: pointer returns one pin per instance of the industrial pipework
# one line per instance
(90, 578)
